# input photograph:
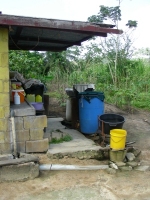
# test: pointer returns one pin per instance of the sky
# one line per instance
(80, 10)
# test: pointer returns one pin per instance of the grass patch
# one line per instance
(66, 138)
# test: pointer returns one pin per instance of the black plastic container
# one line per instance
(110, 121)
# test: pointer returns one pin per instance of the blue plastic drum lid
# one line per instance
(91, 105)
(90, 94)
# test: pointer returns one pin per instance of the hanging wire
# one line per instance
(38, 39)
(22, 49)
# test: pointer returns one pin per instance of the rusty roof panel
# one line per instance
(40, 34)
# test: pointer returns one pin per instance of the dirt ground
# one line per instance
(94, 184)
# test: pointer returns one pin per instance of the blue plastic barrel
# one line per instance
(91, 105)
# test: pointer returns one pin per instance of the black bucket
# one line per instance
(110, 121)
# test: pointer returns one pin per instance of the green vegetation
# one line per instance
(66, 138)
(106, 62)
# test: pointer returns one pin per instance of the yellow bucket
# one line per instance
(118, 139)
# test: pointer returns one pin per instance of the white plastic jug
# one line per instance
(16, 98)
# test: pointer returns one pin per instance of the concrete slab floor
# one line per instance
(78, 143)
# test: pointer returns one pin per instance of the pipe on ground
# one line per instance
(71, 167)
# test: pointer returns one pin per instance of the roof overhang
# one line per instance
(40, 34)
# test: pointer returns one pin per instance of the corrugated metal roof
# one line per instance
(40, 34)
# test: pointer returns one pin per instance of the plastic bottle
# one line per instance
(16, 98)
(31, 97)
(38, 98)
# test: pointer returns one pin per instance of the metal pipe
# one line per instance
(71, 167)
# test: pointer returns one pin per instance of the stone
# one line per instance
(37, 146)
(20, 172)
(57, 135)
(142, 168)
(6, 157)
(113, 165)
(130, 156)
(125, 168)
(111, 171)
(120, 164)
(137, 152)
(132, 163)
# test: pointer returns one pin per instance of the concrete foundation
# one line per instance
(24, 168)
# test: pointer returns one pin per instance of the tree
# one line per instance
(115, 49)
(29, 64)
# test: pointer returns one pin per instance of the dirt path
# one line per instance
(86, 185)
(90, 185)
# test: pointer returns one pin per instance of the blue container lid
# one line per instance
(91, 94)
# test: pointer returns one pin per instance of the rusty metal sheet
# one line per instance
(41, 34)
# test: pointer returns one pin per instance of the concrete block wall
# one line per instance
(29, 129)
(5, 141)
(30, 132)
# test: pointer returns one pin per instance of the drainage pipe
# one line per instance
(71, 167)
(13, 133)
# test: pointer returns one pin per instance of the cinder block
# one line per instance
(21, 147)
(4, 35)
(40, 121)
(4, 59)
(6, 86)
(6, 148)
(36, 134)
(26, 111)
(28, 122)
(7, 111)
(37, 146)
(5, 137)
(35, 122)
(4, 75)
(9, 124)
(3, 125)
(19, 123)
(4, 100)
(3, 46)
(8, 136)
(2, 137)
(22, 135)
(20, 172)
(1, 85)
(2, 112)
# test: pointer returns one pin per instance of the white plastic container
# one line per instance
(16, 98)
(83, 87)
(68, 110)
